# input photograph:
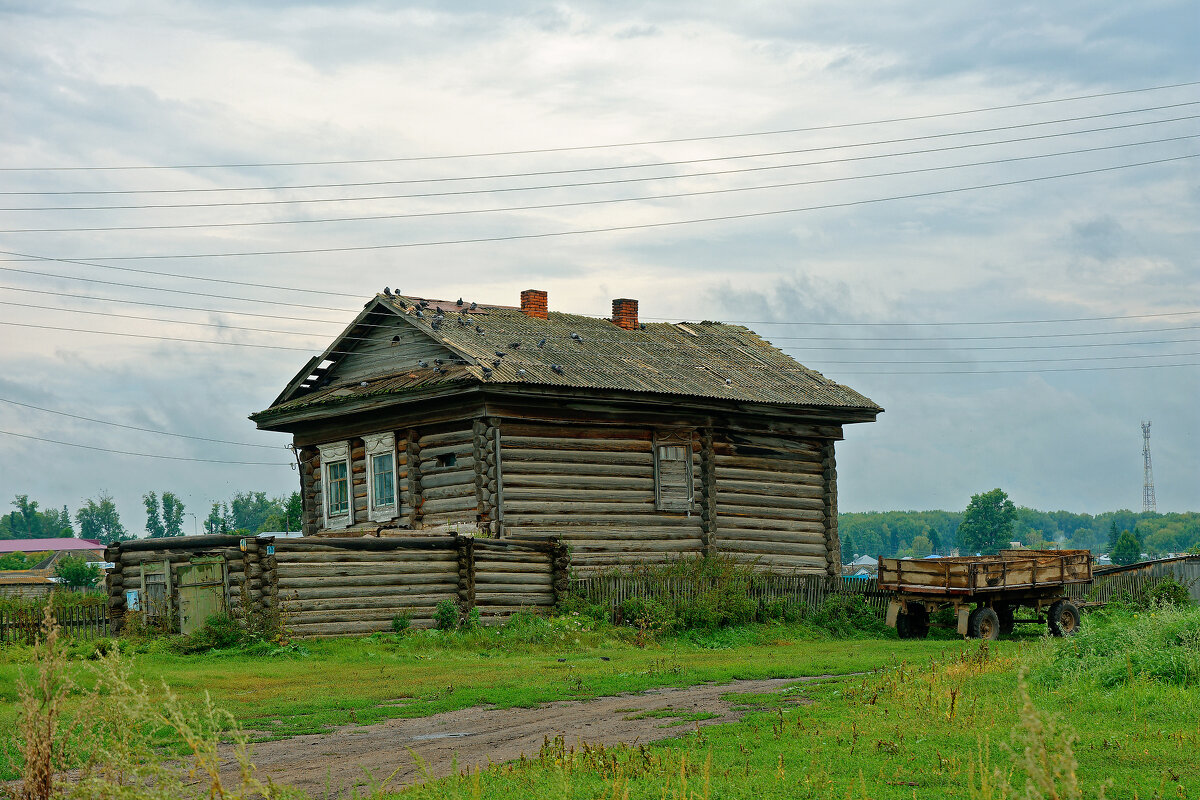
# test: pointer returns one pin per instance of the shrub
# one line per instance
(1165, 592)
(845, 615)
(401, 622)
(219, 632)
(649, 616)
(474, 620)
(76, 573)
(445, 616)
(1120, 646)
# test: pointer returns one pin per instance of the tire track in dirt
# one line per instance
(357, 756)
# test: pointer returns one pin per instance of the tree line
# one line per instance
(98, 518)
(916, 534)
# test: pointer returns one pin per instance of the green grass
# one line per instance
(317, 685)
(932, 719)
(937, 724)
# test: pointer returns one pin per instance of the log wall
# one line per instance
(248, 574)
(447, 491)
(772, 506)
(323, 586)
(592, 488)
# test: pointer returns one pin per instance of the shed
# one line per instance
(627, 441)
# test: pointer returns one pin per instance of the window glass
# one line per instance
(339, 494)
(383, 480)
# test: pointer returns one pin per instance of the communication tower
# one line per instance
(1148, 503)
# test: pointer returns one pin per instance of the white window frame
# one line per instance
(378, 444)
(681, 439)
(335, 453)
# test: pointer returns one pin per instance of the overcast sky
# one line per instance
(880, 121)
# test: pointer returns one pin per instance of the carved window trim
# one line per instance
(672, 446)
(380, 444)
(336, 453)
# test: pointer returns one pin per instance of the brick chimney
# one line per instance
(625, 314)
(533, 303)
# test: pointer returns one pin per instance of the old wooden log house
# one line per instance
(625, 441)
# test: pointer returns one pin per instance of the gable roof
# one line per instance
(704, 360)
(47, 545)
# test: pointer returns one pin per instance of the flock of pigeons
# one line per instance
(464, 320)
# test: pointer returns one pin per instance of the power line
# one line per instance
(608, 145)
(642, 226)
(178, 307)
(942, 340)
(149, 455)
(148, 336)
(578, 203)
(1012, 371)
(651, 343)
(362, 184)
(136, 428)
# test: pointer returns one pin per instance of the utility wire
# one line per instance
(136, 428)
(579, 203)
(1023, 371)
(149, 455)
(608, 145)
(310, 335)
(516, 332)
(643, 226)
(362, 184)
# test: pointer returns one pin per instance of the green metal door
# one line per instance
(201, 591)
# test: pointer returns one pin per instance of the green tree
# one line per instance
(288, 516)
(100, 520)
(218, 519)
(172, 514)
(1113, 533)
(76, 573)
(1126, 550)
(28, 522)
(922, 547)
(155, 528)
(987, 523)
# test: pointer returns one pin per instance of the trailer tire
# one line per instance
(1006, 612)
(983, 623)
(913, 622)
(1063, 619)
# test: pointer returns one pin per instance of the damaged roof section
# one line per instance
(403, 345)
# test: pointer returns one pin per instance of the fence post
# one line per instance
(465, 547)
(560, 567)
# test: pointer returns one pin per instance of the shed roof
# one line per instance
(703, 359)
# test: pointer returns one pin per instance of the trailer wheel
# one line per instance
(1006, 612)
(1063, 619)
(983, 624)
(913, 622)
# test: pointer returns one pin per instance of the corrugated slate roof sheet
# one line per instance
(705, 359)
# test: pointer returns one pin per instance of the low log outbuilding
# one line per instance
(626, 441)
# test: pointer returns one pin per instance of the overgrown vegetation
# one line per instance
(121, 738)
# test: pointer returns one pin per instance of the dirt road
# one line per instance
(332, 765)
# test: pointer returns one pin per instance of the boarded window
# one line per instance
(673, 477)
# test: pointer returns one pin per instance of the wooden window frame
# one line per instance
(335, 453)
(380, 444)
(682, 439)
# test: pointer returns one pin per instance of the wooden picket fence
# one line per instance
(75, 622)
(804, 591)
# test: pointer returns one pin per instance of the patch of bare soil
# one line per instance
(355, 756)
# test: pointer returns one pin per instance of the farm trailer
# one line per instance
(997, 586)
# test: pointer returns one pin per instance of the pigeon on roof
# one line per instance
(514, 345)
(557, 369)
(496, 363)
(487, 372)
(542, 342)
(479, 330)
(499, 354)
(459, 303)
(387, 291)
(577, 337)
(422, 364)
(474, 306)
(418, 313)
